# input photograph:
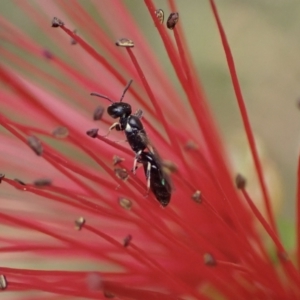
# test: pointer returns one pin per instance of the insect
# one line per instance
(137, 138)
(157, 180)
(128, 122)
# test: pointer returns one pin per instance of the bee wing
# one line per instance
(145, 139)
(139, 113)
(167, 180)
(164, 175)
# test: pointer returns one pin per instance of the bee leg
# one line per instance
(148, 177)
(136, 167)
(113, 126)
(135, 161)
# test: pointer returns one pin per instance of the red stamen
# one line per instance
(245, 117)
(286, 263)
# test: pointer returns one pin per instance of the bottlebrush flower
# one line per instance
(203, 245)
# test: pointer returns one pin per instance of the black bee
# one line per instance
(157, 180)
(137, 138)
(128, 122)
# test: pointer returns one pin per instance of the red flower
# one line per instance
(203, 245)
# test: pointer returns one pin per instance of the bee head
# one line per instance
(119, 109)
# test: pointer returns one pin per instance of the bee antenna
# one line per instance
(102, 96)
(126, 88)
